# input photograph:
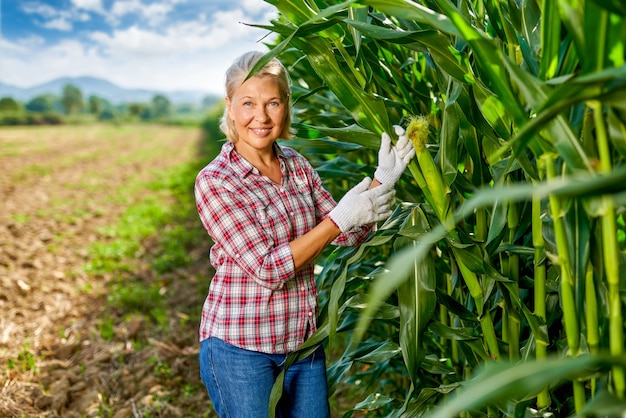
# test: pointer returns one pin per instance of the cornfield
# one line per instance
(497, 286)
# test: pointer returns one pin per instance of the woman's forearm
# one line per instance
(307, 247)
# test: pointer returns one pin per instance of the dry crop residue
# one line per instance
(56, 185)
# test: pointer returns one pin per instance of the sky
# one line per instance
(161, 45)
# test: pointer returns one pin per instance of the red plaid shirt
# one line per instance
(256, 299)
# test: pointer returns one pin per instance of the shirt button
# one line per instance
(303, 288)
(237, 255)
(310, 313)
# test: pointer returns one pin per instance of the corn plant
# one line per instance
(495, 287)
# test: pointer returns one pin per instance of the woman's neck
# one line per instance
(265, 161)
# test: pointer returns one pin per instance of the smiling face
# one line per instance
(258, 113)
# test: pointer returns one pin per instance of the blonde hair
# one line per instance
(238, 72)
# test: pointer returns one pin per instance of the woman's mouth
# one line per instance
(261, 131)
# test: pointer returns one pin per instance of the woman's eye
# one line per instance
(247, 104)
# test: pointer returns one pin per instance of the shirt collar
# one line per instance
(240, 165)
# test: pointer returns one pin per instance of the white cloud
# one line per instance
(180, 38)
(251, 7)
(59, 19)
(156, 13)
(153, 13)
(60, 23)
(91, 5)
(122, 8)
(10, 48)
(39, 9)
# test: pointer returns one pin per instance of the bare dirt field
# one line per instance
(60, 188)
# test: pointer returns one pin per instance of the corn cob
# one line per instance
(417, 132)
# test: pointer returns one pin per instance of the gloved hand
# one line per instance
(361, 205)
(392, 160)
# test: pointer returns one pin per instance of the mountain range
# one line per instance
(101, 88)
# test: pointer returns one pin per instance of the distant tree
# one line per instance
(8, 104)
(210, 100)
(136, 109)
(185, 108)
(41, 103)
(147, 113)
(161, 107)
(72, 99)
(95, 105)
(107, 114)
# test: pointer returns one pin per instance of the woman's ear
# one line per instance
(228, 107)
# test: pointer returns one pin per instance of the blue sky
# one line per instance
(154, 44)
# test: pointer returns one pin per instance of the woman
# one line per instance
(269, 217)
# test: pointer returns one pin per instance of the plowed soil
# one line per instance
(60, 187)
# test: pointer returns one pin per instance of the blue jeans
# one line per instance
(239, 382)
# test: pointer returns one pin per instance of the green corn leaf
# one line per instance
(494, 111)
(454, 307)
(550, 39)
(559, 132)
(321, 146)
(449, 151)
(357, 14)
(367, 110)
(604, 404)
(570, 91)
(305, 350)
(416, 300)
(297, 11)
(436, 43)
(498, 221)
(500, 381)
(489, 59)
(373, 402)
(437, 366)
(450, 333)
(382, 352)
(352, 134)
(338, 287)
(426, 398)
(614, 6)
(407, 9)
(572, 17)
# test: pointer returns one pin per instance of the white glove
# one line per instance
(392, 160)
(362, 205)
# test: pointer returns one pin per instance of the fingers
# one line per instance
(409, 153)
(383, 197)
(403, 142)
(385, 204)
(381, 216)
(382, 213)
(383, 189)
(399, 130)
(385, 143)
(405, 149)
(363, 185)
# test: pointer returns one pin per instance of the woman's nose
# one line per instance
(261, 114)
